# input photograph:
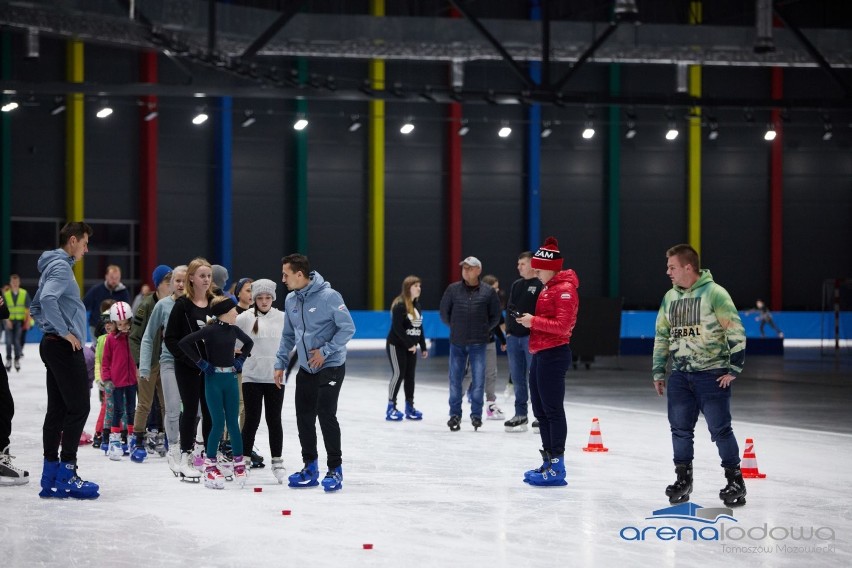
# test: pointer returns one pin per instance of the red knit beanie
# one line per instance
(547, 257)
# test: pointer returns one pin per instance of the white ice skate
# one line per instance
(212, 476)
(493, 412)
(174, 460)
(188, 472)
(241, 470)
(278, 469)
(226, 466)
(115, 451)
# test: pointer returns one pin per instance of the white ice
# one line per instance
(424, 496)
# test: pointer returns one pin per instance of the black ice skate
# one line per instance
(679, 491)
(733, 495)
(454, 423)
(476, 422)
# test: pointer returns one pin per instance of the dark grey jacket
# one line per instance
(471, 313)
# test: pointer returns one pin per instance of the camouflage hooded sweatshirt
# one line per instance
(700, 328)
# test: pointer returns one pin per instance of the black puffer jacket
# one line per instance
(471, 312)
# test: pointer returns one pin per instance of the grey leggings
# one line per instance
(172, 396)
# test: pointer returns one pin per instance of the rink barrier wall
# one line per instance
(637, 329)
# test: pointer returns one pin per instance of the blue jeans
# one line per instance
(547, 391)
(689, 393)
(13, 339)
(520, 360)
(459, 355)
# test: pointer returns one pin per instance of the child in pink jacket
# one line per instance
(117, 367)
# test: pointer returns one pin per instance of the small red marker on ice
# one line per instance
(285, 512)
(258, 489)
(368, 547)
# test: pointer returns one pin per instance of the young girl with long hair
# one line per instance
(404, 338)
(188, 315)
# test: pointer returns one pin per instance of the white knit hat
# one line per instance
(262, 286)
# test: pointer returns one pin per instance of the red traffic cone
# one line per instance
(748, 467)
(595, 441)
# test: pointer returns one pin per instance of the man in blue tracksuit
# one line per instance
(61, 315)
(318, 324)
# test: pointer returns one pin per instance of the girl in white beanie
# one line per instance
(264, 324)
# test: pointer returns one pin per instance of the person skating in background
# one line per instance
(318, 324)
(264, 324)
(9, 473)
(492, 409)
(523, 296)
(404, 340)
(471, 309)
(61, 316)
(698, 327)
(550, 336)
(17, 302)
(764, 316)
(153, 351)
(221, 387)
(151, 387)
(118, 368)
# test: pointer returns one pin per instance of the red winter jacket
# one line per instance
(555, 312)
(117, 364)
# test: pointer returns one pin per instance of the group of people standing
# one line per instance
(204, 354)
(193, 345)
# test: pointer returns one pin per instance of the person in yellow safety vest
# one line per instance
(18, 301)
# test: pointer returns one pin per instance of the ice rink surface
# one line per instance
(424, 496)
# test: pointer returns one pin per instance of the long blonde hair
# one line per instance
(405, 296)
(189, 289)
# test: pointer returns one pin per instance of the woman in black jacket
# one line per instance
(404, 338)
(188, 315)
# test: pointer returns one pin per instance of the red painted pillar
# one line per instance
(454, 194)
(148, 172)
(776, 198)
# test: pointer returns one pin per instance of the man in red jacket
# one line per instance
(550, 333)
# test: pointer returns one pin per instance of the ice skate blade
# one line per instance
(12, 481)
(512, 429)
(736, 502)
(678, 501)
(190, 479)
(333, 488)
(559, 483)
(298, 485)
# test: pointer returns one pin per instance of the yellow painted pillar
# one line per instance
(74, 145)
(376, 176)
(694, 159)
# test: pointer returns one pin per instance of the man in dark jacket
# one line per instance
(472, 310)
(110, 289)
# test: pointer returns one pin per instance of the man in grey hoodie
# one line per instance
(61, 315)
(318, 324)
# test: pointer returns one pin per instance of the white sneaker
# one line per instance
(494, 412)
(278, 469)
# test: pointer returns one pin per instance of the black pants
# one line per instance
(403, 364)
(547, 394)
(316, 397)
(7, 408)
(190, 382)
(256, 395)
(67, 398)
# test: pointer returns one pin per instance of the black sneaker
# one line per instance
(516, 424)
(476, 422)
(454, 423)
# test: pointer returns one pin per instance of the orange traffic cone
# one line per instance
(748, 467)
(595, 441)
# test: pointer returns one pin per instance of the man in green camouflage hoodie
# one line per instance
(699, 328)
